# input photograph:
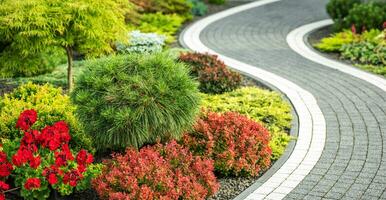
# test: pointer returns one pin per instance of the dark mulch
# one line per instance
(5, 87)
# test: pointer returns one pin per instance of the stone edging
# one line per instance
(297, 40)
(312, 125)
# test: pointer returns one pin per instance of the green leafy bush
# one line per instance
(15, 64)
(336, 41)
(260, 105)
(339, 9)
(381, 70)
(199, 8)
(52, 106)
(218, 2)
(366, 16)
(237, 144)
(164, 24)
(365, 53)
(131, 100)
(58, 77)
(212, 73)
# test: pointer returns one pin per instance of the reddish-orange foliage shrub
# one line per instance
(212, 73)
(237, 144)
(157, 172)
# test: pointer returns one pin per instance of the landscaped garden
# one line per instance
(358, 35)
(98, 103)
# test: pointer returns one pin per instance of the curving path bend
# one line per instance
(341, 149)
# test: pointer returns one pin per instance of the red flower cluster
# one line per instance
(5, 166)
(3, 187)
(237, 144)
(157, 172)
(55, 138)
(32, 183)
(26, 119)
(212, 73)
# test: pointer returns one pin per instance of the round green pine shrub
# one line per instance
(366, 16)
(212, 73)
(157, 172)
(237, 144)
(51, 105)
(263, 106)
(132, 100)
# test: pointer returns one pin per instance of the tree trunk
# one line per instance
(70, 83)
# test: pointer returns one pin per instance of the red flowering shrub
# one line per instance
(237, 144)
(43, 160)
(212, 73)
(157, 172)
(5, 170)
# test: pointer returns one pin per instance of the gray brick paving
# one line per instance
(353, 163)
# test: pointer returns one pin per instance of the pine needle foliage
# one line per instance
(86, 26)
(132, 100)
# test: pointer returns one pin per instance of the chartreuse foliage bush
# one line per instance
(87, 27)
(335, 42)
(135, 99)
(51, 105)
(260, 105)
(212, 73)
(163, 24)
(42, 160)
(237, 144)
(157, 172)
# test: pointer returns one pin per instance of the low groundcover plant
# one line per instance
(43, 160)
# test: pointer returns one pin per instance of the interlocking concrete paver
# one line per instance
(353, 161)
(353, 108)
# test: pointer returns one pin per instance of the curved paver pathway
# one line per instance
(352, 164)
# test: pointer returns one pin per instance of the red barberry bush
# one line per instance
(237, 144)
(157, 172)
(43, 160)
(212, 73)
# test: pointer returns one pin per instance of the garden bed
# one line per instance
(233, 128)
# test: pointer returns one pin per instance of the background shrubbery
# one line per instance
(364, 16)
(142, 43)
(212, 73)
(132, 100)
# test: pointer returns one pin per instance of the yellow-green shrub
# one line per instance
(335, 42)
(51, 105)
(260, 105)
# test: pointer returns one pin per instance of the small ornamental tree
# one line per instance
(88, 27)
(43, 160)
